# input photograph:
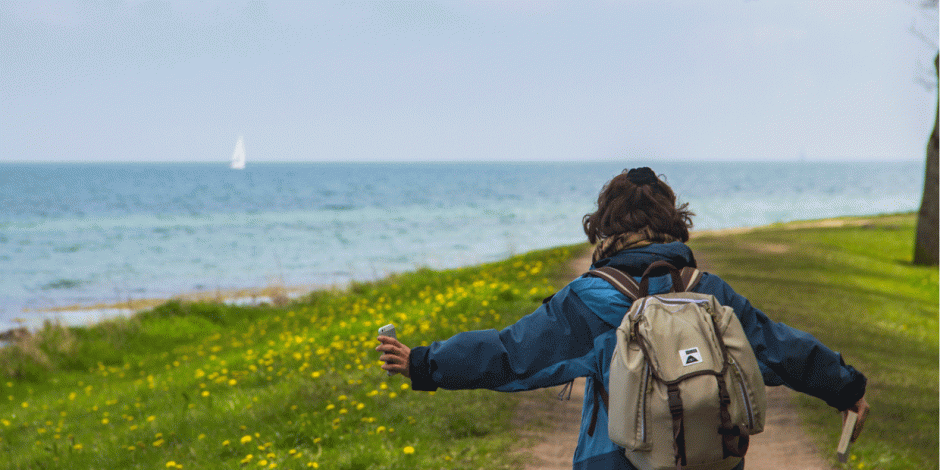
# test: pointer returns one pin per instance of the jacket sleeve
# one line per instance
(550, 346)
(791, 357)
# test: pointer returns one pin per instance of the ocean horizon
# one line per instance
(91, 234)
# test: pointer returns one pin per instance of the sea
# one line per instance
(78, 240)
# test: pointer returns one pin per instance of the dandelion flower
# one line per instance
(226, 442)
(262, 463)
(409, 450)
(246, 439)
(151, 418)
(170, 464)
(158, 443)
(205, 393)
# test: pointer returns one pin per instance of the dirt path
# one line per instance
(553, 426)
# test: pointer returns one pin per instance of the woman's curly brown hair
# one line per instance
(628, 203)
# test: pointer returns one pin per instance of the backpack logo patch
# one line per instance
(690, 356)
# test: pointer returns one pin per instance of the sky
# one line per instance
(180, 81)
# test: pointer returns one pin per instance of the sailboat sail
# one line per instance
(238, 156)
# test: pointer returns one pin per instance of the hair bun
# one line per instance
(642, 176)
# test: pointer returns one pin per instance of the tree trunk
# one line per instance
(925, 246)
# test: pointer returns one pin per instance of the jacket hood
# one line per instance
(635, 260)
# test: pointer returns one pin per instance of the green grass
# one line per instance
(200, 385)
(213, 386)
(854, 288)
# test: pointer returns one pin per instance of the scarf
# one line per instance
(622, 241)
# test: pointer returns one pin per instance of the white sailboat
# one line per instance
(238, 156)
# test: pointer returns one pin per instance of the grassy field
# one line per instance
(214, 386)
(850, 283)
(200, 385)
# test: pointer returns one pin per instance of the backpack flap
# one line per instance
(677, 337)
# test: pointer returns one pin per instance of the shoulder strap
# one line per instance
(690, 278)
(620, 280)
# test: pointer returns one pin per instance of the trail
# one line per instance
(553, 426)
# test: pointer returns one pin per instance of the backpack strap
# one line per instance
(678, 424)
(690, 278)
(659, 265)
(620, 280)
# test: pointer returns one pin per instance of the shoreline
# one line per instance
(88, 315)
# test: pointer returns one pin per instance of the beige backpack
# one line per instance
(685, 387)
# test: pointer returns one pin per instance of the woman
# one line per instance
(572, 335)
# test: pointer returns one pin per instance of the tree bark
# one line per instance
(925, 246)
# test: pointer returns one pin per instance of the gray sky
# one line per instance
(439, 81)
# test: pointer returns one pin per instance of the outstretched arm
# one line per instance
(540, 350)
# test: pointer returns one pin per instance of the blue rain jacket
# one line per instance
(574, 333)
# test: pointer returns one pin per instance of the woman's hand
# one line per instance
(861, 407)
(396, 355)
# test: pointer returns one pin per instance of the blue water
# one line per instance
(82, 234)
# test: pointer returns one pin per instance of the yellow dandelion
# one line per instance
(104, 421)
(25, 404)
(205, 393)
(246, 439)
(232, 382)
(313, 465)
(409, 450)
(262, 462)
(77, 447)
(151, 418)
(226, 442)
(158, 442)
(170, 464)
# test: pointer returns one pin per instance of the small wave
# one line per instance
(62, 284)
(339, 207)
